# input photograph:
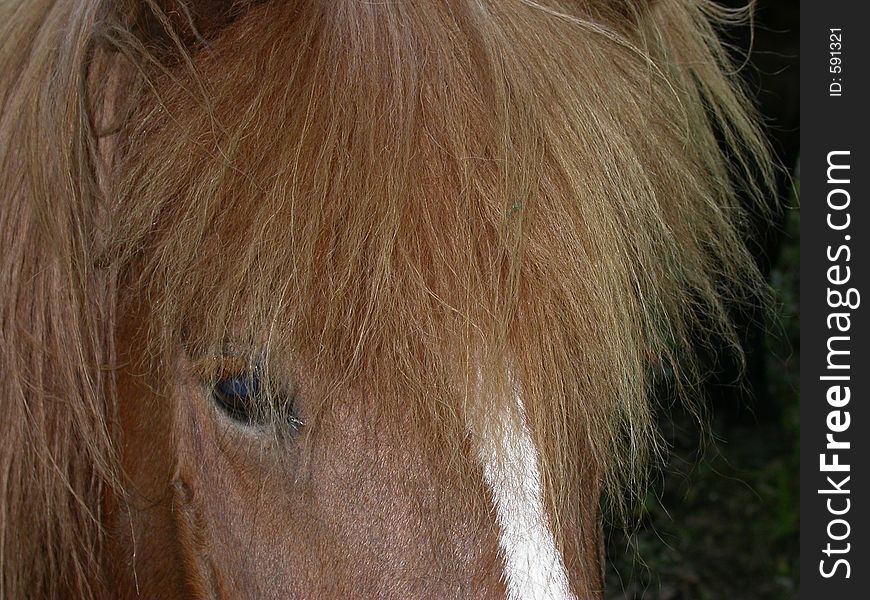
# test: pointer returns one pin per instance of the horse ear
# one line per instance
(140, 31)
(200, 19)
(627, 8)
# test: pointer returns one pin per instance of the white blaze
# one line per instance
(534, 569)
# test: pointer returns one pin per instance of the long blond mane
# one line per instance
(414, 196)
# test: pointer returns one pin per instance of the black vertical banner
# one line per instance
(835, 370)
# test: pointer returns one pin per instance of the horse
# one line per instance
(350, 299)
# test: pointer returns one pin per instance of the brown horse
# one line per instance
(349, 299)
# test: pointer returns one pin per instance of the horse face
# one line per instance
(349, 299)
(221, 503)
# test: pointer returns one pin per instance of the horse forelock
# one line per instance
(416, 198)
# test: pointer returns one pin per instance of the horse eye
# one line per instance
(242, 398)
(237, 396)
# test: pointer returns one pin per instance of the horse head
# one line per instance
(324, 299)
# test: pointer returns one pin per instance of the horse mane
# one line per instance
(415, 197)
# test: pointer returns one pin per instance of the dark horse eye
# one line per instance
(237, 396)
(242, 397)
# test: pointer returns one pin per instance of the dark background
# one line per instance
(721, 518)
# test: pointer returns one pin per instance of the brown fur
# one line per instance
(399, 200)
